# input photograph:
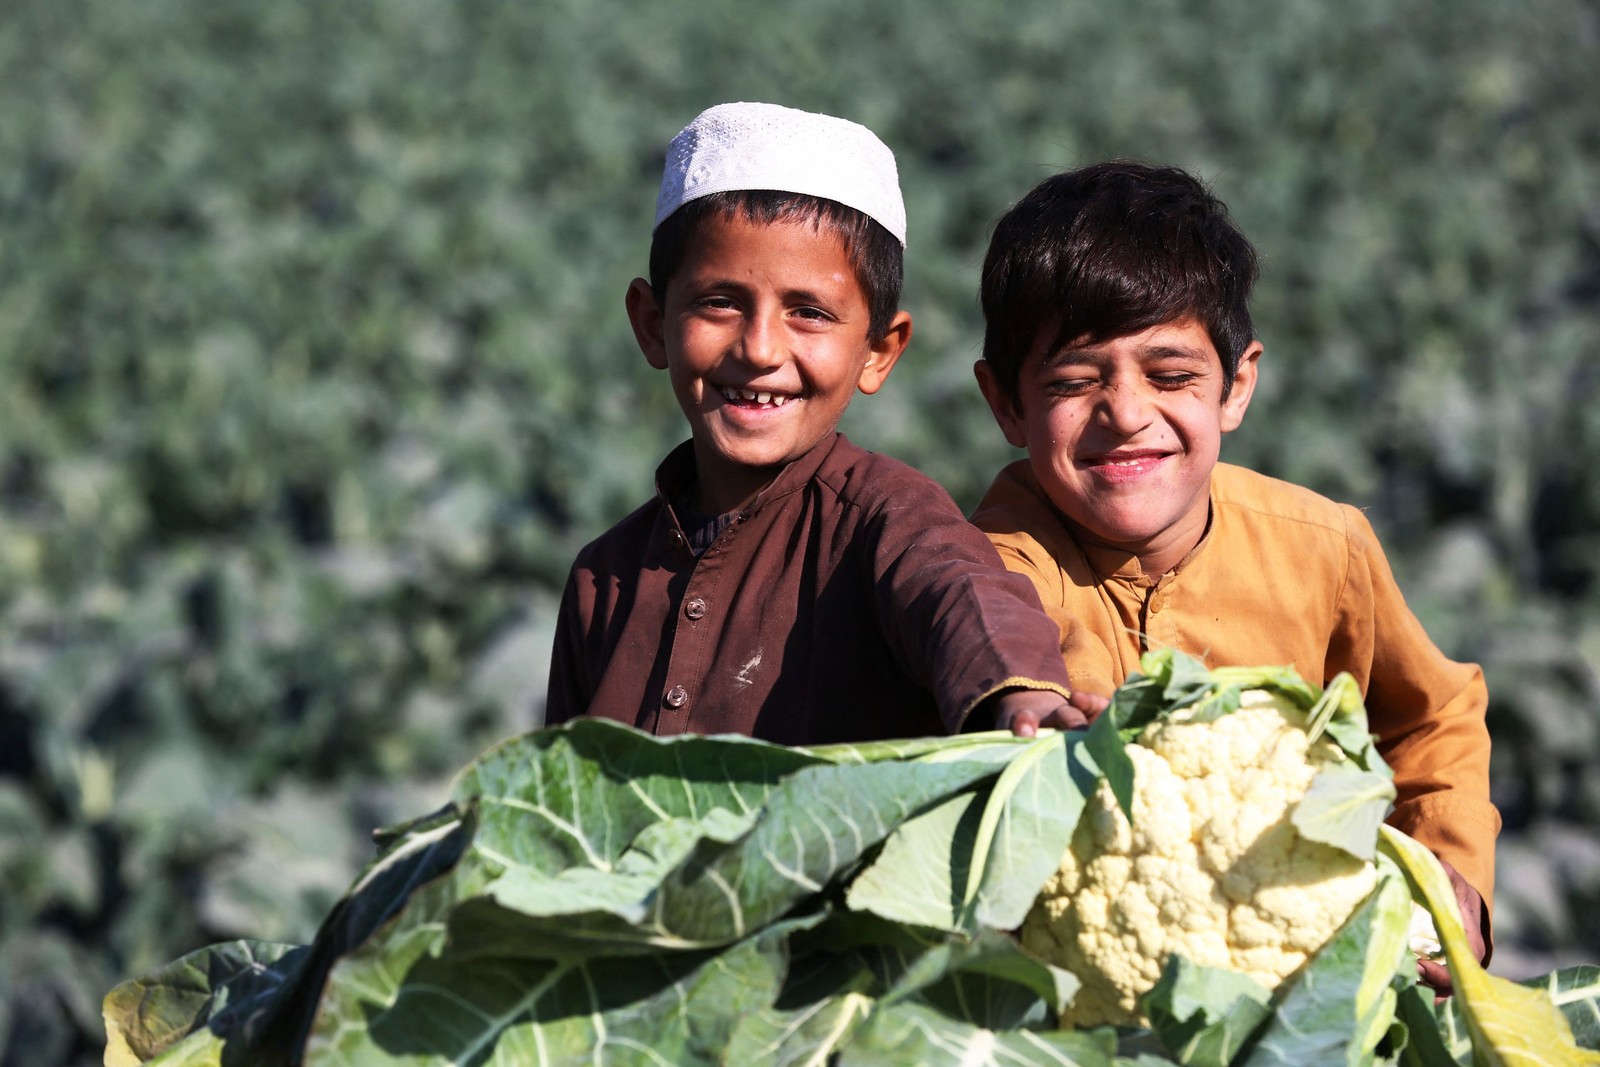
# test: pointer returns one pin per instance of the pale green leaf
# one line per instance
(802, 1037)
(1341, 714)
(1343, 808)
(980, 859)
(1108, 748)
(915, 1035)
(919, 875)
(1576, 991)
(200, 1049)
(1027, 824)
(1340, 1004)
(666, 1009)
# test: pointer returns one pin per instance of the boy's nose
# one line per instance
(762, 342)
(1125, 409)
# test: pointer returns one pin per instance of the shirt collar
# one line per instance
(1114, 563)
(675, 476)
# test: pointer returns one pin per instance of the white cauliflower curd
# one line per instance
(1211, 868)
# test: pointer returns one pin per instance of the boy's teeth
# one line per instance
(751, 394)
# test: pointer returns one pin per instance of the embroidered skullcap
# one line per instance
(764, 146)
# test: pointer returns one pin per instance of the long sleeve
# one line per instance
(1427, 710)
(568, 692)
(962, 625)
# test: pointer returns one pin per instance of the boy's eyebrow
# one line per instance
(1090, 354)
(1189, 352)
(801, 294)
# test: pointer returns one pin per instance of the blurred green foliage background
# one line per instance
(314, 375)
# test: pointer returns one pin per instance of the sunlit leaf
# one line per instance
(1510, 1024)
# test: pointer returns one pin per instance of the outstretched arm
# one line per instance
(972, 632)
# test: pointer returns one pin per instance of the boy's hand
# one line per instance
(1024, 711)
(1433, 973)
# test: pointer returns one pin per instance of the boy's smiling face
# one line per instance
(764, 333)
(1123, 434)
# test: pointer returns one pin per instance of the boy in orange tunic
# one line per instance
(1118, 349)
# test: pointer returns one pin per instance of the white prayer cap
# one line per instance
(764, 146)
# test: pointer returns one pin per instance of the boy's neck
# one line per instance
(718, 489)
(1156, 557)
(1156, 563)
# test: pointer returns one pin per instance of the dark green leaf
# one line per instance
(1435, 1036)
(1204, 1016)
(214, 987)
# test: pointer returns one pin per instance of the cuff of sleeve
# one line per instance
(1461, 829)
(968, 722)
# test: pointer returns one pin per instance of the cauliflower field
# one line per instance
(593, 895)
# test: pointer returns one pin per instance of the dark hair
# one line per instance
(1109, 250)
(874, 253)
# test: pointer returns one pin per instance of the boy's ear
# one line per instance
(884, 352)
(1244, 385)
(644, 314)
(1002, 406)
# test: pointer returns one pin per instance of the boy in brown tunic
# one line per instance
(1118, 349)
(784, 583)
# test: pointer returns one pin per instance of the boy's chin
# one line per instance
(744, 452)
(744, 463)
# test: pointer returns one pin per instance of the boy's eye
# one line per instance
(1173, 380)
(1069, 386)
(812, 314)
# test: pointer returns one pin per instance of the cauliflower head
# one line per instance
(1211, 868)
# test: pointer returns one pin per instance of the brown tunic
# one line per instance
(850, 600)
(1283, 577)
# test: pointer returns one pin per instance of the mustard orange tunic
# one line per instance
(1282, 576)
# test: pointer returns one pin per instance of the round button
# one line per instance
(694, 607)
(676, 537)
(676, 696)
